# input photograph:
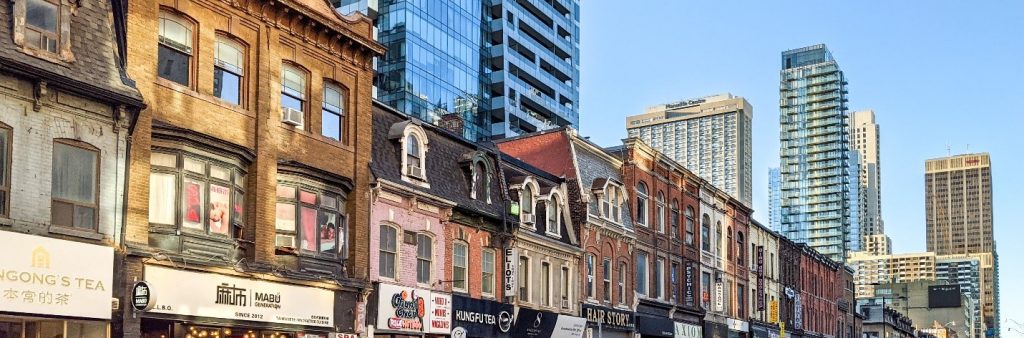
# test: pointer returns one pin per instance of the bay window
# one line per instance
(195, 193)
(313, 214)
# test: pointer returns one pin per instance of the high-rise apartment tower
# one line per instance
(709, 135)
(865, 140)
(815, 153)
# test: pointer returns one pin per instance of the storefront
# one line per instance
(687, 330)
(654, 326)
(764, 330)
(190, 304)
(605, 322)
(737, 328)
(530, 323)
(54, 288)
(481, 318)
(412, 312)
(715, 327)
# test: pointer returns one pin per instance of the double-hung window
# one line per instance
(293, 94)
(641, 273)
(689, 225)
(174, 55)
(460, 266)
(5, 169)
(487, 278)
(590, 275)
(42, 24)
(75, 185)
(333, 118)
(622, 282)
(705, 233)
(424, 255)
(641, 204)
(228, 66)
(606, 286)
(545, 279)
(195, 193)
(660, 208)
(675, 219)
(659, 275)
(388, 251)
(554, 216)
(523, 281)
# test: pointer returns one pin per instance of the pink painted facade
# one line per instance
(416, 216)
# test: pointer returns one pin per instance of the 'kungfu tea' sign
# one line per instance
(213, 295)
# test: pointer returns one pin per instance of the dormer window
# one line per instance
(554, 216)
(526, 198)
(611, 203)
(413, 157)
(41, 27)
(480, 185)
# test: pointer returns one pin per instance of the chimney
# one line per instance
(453, 122)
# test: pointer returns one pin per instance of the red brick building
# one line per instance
(821, 288)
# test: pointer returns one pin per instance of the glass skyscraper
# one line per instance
(505, 67)
(815, 166)
(774, 200)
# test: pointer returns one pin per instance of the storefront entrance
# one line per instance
(158, 328)
(31, 327)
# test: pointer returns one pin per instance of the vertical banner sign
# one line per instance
(773, 312)
(798, 317)
(782, 329)
(760, 278)
(688, 296)
(509, 274)
(719, 297)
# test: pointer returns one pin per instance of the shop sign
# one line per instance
(569, 327)
(440, 313)
(542, 324)
(773, 311)
(608, 318)
(719, 297)
(684, 330)
(760, 278)
(737, 325)
(42, 275)
(142, 296)
(343, 335)
(509, 274)
(655, 326)
(218, 296)
(782, 329)
(401, 308)
(688, 290)
(481, 318)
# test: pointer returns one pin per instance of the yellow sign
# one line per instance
(773, 311)
(782, 329)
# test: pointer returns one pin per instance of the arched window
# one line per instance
(228, 70)
(689, 225)
(174, 55)
(674, 221)
(641, 204)
(481, 182)
(413, 157)
(332, 123)
(660, 208)
(293, 95)
(554, 213)
(718, 238)
(526, 204)
(741, 248)
(705, 233)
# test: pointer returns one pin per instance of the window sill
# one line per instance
(422, 182)
(6, 221)
(54, 58)
(87, 234)
(553, 235)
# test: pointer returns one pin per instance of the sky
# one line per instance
(942, 77)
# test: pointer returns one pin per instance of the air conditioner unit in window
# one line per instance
(414, 171)
(292, 116)
(529, 218)
(287, 241)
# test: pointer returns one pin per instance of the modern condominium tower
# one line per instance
(775, 199)
(815, 153)
(709, 135)
(864, 135)
(501, 67)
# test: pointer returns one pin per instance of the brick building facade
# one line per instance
(249, 173)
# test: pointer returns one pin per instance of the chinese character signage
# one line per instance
(41, 275)
(182, 292)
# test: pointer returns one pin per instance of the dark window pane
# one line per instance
(41, 14)
(331, 125)
(173, 65)
(61, 213)
(85, 217)
(5, 136)
(74, 174)
(227, 86)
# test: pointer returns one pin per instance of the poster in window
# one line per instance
(220, 215)
(238, 210)
(309, 233)
(193, 200)
(329, 227)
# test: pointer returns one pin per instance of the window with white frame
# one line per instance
(480, 185)
(526, 198)
(622, 282)
(332, 118)
(293, 93)
(75, 185)
(606, 286)
(414, 157)
(487, 257)
(424, 258)
(689, 225)
(659, 275)
(228, 66)
(460, 266)
(565, 287)
(611, 203)
(523, 270)
(660, 212)
(590, 275)
(545, 279)
(388, 251)
(641, 204)
(554, 216)
(640, 281)
(174, 54)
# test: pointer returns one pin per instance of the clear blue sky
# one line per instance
(937, 74)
